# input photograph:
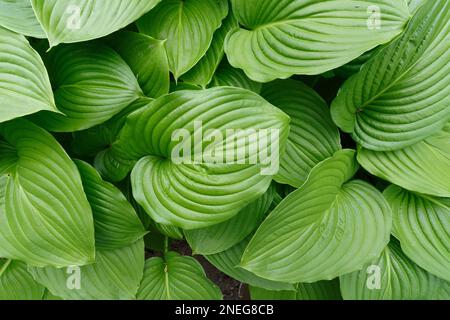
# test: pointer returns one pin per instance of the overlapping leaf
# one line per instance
(423, 167)
(25, 86)
(226, 75)
(185, 190)
(16, 283)
(392, 276)
(18, 16)
(399, 98)
(92, 84)
(282, 38)
(115, 275)
(223, 236)
(326, 228)
(313, 136)
(45, 218)
(81, 20)
(186, 27)
(422, 224)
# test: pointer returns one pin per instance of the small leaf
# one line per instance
(16, 283)
(226, 75)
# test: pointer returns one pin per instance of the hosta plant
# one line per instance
(300, 147)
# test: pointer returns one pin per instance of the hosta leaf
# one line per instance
(18, 16)
(176, 278)
(115, 275)
(152, 73)
(228, 262)
(321, 290)
(16, 283)
(326, 228)
(81, 20)
(392, 276)
(116, 223)
(92, 83)
(195, 194)
(201, 74)
(186, 27)
(282, 38)
(415, 4)
(399, 98)
(423, 167)
(422, 224)
(226, 75)
(223, 236)
(313, 136)
(25, 86)
(45, 218)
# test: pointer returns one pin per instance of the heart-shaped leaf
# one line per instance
(81, 20)
(326, 228)
(92, 83)
(282, 38)
(176, 278)
(186, 27)
(399, 98)
(422, 224)
(45, 218)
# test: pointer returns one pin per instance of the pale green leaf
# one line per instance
(81, 20)
(392, 276)
(18, 16)
(326, 228)
(188, 26)
(286, 37)
(92, 84)
(115, 275)
(147, 58)
(422, 224)
(176, 277)
(16, 283)
(223, 236)
(25, 86)
(313, 136)
(202, 73)
(399, 98)
(45, 218)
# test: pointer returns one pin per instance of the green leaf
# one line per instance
(81, 20)
(422, 224)
(321, 290)
(226, 75)
(25, 86)
(423, 167)
(115, 275)
(152, 74)
(18, 16)
(223, 236)
(45, 218)
(399, 98)
(392, 276)
(313, 136)
(286, 37)
(326, 228)
(228, 262)
(92, 84)
(16, 283)
(186, 27)
(202, 73)
(116, 223)
(176, 278)
(198, 193)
